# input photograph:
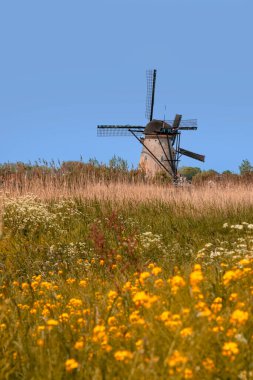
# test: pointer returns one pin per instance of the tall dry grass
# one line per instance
(189, 197)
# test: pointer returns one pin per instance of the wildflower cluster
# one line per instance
(30, 216)
(94, 313)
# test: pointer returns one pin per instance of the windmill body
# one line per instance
(147, 162)
(160, 139)
(161, 147)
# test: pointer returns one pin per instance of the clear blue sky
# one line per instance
(67, 66)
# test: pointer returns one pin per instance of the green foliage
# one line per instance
(118, 163)
(94, 162)
(245, 167)
(189, 172)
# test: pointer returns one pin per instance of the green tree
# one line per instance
(189, 172)
(118, 163)
(93, 162)
(245, 167)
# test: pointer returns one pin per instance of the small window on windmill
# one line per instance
(146, 158)
(162, 158)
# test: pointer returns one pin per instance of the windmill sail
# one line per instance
(187, 128)
(119, 130)
(186, 124)
(177, 121)
(151, 80)
(188, 153)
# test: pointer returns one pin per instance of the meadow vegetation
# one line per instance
(125, 280)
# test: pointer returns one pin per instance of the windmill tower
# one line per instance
(160, 138)
(154, 145)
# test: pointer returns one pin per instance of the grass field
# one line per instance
(126, 281)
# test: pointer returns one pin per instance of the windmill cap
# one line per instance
(155, 126)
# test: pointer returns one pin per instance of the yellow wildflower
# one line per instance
(239, 317)
(81, 321)
(86, 311)
(216, 305)
(188, 374)
(64, 317)
(144, 299)
(203, 310)
(112, 321)
(127, 286)
(136, 318)
(176, 283)
(79, 345)
(159, 283)
(231, 332)
(208, 364)
(23, 306)
(100, 336)
(123, 356)
(172, 321)
(128, 335)
(244, 262)
(71, 364)
(196, 277)
(40, 342)
(113, 330)
(156, 271)
(75, 302)
(230, 349)
(139, 344)
(34, 285)
(46, 285)
(176, 360)
(219, 319)
(70, 281)
(165, 316)
(240, 305)
(112, 295)
(143, 277)
(217, 329)
(233, 297)
(25, 286)
(187, 331)
(232, 275)
(185, 311)
(52, 322)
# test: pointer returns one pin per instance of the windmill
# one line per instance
(160, 139)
